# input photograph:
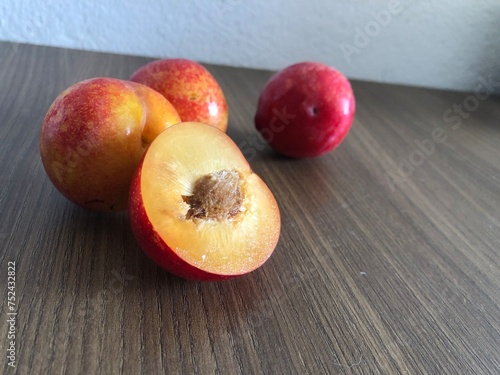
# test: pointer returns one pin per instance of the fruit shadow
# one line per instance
(314, 184)
(224, 308)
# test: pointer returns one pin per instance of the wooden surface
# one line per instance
(380, 268)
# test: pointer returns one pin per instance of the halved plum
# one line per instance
(198, 210)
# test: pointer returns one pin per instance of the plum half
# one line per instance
(198, 210)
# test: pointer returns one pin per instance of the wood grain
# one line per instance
(381, 268)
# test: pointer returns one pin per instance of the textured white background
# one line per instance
(436, 43)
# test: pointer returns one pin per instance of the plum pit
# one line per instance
(216, 196)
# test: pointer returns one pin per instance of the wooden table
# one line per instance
(388, 261)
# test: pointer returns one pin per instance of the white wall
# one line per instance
(436, 43)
